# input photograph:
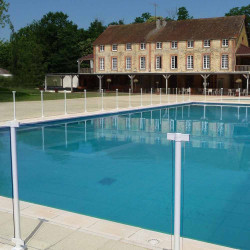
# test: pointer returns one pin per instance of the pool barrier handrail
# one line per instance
(19, 243)
(178, 138)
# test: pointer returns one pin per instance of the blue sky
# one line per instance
(82, 12)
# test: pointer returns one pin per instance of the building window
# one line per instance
(158, 62)
(224, 42)
(128, 62)
(143, 62)
(206, 62)
(114, 63)
(114, 47)
(190, 62)
(159, 45)
(174, 63)
(128, 46)
(101, 48)
(190, 44)
(206, 43)
(224, 61)
(101, 64)
(143, 46)
(174, 44)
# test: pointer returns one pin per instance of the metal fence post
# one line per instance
(102, 99)
(19, 243)
(221, 93)
(117, 104)
(160, 95)
(42, 103)
(85, 100)
(141, 97)
(178, 138)
(176, 95)
(239, 95)
(129, 98)
(151, 96)
(65, 102)
(14, 105)
(189, 93)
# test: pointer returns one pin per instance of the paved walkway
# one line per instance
(49, 228)
(56, 108)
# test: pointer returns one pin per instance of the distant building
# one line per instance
(191, 53)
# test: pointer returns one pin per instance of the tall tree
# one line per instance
(4, 17)
(120, 22)
(244, 10)
(143, 18)
(183, 14)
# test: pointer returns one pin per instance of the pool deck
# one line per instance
(49, 228)
(30, 112)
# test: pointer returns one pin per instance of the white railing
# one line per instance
(87, 102)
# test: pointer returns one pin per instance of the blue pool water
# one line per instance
(120, 168)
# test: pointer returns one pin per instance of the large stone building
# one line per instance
(170, 54)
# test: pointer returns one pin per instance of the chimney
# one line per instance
(158, 23)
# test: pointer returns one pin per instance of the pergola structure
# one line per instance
(131, 77)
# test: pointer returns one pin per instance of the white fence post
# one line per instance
(221, 93)
(19, 243)
(178, 138)
(102, 99)
(117, 104)
(176, 95)
(85, 100)
(151, 96)
(65, 102)
(42, 104)
(141, 97)
(160, 95)
(239, 95)
(14, 105)
(129, 98)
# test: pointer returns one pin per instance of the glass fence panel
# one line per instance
(54, 104)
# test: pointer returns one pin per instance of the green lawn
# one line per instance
(24, 94)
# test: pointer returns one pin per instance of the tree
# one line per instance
(4, 17)
(120, 22)
(183, 14)
(244, 10)
(153, 19)
(143, 18)
(5, 54)
(95, 29)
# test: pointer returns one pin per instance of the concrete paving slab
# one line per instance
(75, 220)
(112, 228)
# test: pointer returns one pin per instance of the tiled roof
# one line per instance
(196, 29)
(4, 71)
(243, 50)
(87, 57)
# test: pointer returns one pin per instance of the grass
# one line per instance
(31, 94)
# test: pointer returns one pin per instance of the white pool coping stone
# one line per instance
(69, 226)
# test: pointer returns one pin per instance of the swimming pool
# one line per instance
(120, 168)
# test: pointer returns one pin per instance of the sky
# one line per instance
(82, 12)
